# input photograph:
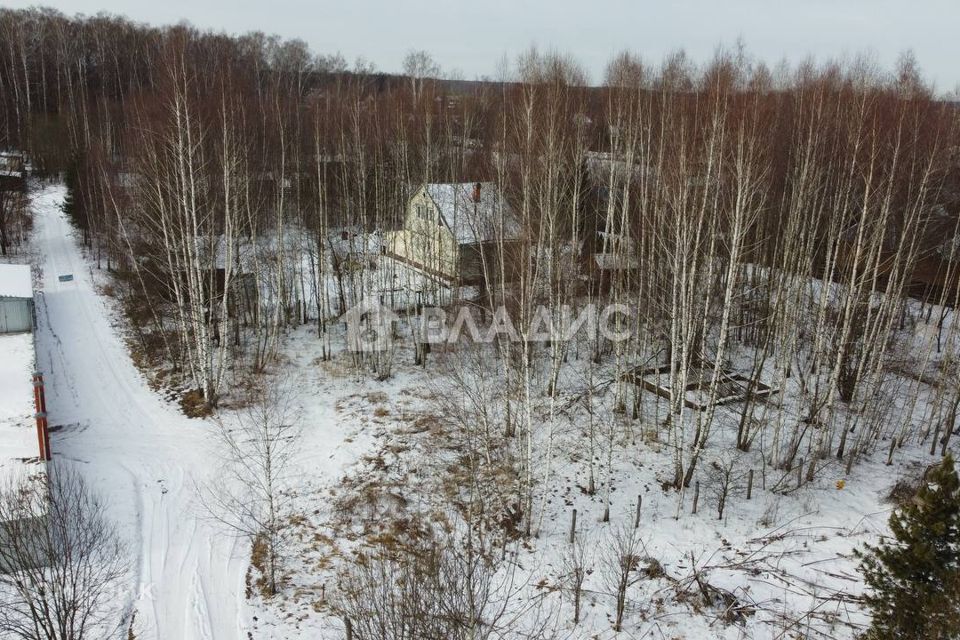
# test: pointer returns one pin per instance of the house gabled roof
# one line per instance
(470, 222)
(15, 281)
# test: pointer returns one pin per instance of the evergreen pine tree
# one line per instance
(69, 200)
(73, 202)
(914, 582)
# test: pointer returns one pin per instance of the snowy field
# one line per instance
(786, 554)
(18, 433)
(779, 565)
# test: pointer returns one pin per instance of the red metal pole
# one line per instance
(37, 390)
(43, 394)
(42, 437)
(46, 439)
(43, 431)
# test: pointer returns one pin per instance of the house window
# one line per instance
(422, 212)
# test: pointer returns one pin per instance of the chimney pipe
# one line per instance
(476, 192)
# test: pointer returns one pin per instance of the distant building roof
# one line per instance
(470, 220)
(12, 164)
(15, 281)
(615, 252)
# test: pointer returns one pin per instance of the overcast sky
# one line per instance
(472, 37)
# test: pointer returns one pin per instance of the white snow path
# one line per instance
(143, 456)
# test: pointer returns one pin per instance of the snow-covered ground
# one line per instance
(19, 447)
(786, 554)
(150, 462)
(137, 450)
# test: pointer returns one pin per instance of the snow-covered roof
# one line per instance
(12, 164)
(615, 262)
(19, 449)
(15, 281)
(599, 164)
(472, 221)
(353, 240)
(615, 252)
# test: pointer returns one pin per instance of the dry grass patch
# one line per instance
(333, 368)
(193, 404)
(376, 397)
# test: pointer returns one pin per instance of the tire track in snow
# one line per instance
(144, 456)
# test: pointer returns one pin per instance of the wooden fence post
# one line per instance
(750, 484)
(636, 519)
(696, 495)
(573, 527)
(800, 474)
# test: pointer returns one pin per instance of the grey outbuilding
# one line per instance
(16, 298)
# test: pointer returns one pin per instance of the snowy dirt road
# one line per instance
(138, 451)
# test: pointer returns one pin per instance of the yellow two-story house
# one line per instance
(453, 230)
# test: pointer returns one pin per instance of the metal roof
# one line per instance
(15, 281)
